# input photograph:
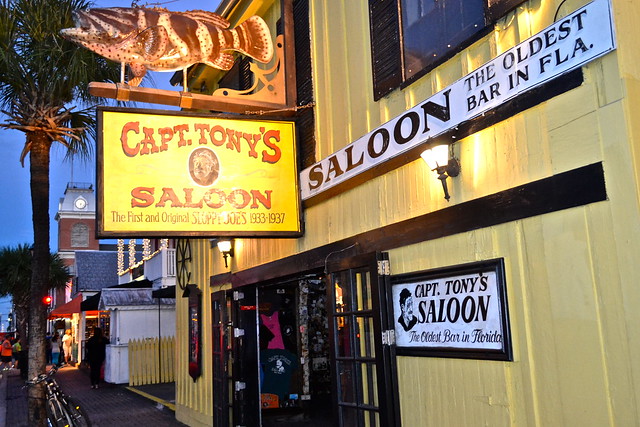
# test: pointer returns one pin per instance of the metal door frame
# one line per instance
(375, 266)
(242, 368)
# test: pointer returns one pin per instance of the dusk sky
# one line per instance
(15, 209)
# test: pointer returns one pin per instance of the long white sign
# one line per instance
(569, 43)
(464, 311)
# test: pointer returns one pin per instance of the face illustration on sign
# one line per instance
(204, 166)
(407, 320)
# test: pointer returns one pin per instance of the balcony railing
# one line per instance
(162, 264)
(160, 267)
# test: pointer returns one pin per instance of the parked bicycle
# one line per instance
(62, 411)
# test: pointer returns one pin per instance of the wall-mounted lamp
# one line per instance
(225, 246)
(439, 159)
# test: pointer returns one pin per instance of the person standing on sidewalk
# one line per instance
(55, 349)
(47, 340)
(96, 353)
(16, 351)
(67, 342)
(6, 352)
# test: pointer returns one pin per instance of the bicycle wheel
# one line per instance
(76, 413)
(51, 416)
(55, 414)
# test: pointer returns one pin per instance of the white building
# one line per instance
(134, 314)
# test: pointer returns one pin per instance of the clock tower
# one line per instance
(76, 218)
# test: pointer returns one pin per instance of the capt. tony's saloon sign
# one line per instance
(456, 311)
(166, 173)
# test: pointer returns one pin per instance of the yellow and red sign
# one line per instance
(164, 174)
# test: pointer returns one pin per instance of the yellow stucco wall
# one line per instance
(571, 276)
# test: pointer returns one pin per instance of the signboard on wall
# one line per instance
(568, 43)
(456, 311)
(178, 174)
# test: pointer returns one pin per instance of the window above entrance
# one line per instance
(431, 29)
(411, 37)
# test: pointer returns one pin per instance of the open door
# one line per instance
(235, 360)
(222, 331)
(246, 373)
(363, 368)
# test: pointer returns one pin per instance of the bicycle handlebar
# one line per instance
(42, 377)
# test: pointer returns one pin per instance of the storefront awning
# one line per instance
(67, 309)
(91, 303)
(168, 292)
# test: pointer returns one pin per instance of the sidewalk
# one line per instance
(107, 406)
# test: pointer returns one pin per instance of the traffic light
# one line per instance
(46, 300)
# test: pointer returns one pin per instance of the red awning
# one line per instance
(67, 309)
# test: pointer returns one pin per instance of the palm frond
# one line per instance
(15, 271)
(44, 77)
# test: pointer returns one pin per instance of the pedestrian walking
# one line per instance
(16, 352)
(6, 353)
(48, 347)
(96, 353)
(55, 349)
(67, 342)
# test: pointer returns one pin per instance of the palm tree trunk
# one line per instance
(21, 305)
(39, 167)
(21, 315)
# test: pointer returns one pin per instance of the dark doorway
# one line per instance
(271, 355)
(222, 381)
(294, 354)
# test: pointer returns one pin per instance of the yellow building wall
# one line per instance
(194, 398)
(571, 276)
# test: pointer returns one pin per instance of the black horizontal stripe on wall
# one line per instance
(577, 187)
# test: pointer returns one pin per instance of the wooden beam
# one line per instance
(194, 101)
(289, 57)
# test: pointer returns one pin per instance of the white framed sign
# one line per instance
(567, 44)
(458, 311)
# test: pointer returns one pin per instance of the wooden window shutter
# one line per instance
(305, 118)
(386, 52)
(245, 75)
(239, 77)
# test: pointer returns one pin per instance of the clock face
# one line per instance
(80, 203)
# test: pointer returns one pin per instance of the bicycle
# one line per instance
(62, 411)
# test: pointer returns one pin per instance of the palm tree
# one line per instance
(15, 279)
(41, 75)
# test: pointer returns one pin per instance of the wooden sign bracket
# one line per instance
(267, 95)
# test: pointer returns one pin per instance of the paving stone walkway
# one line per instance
(110, 405)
